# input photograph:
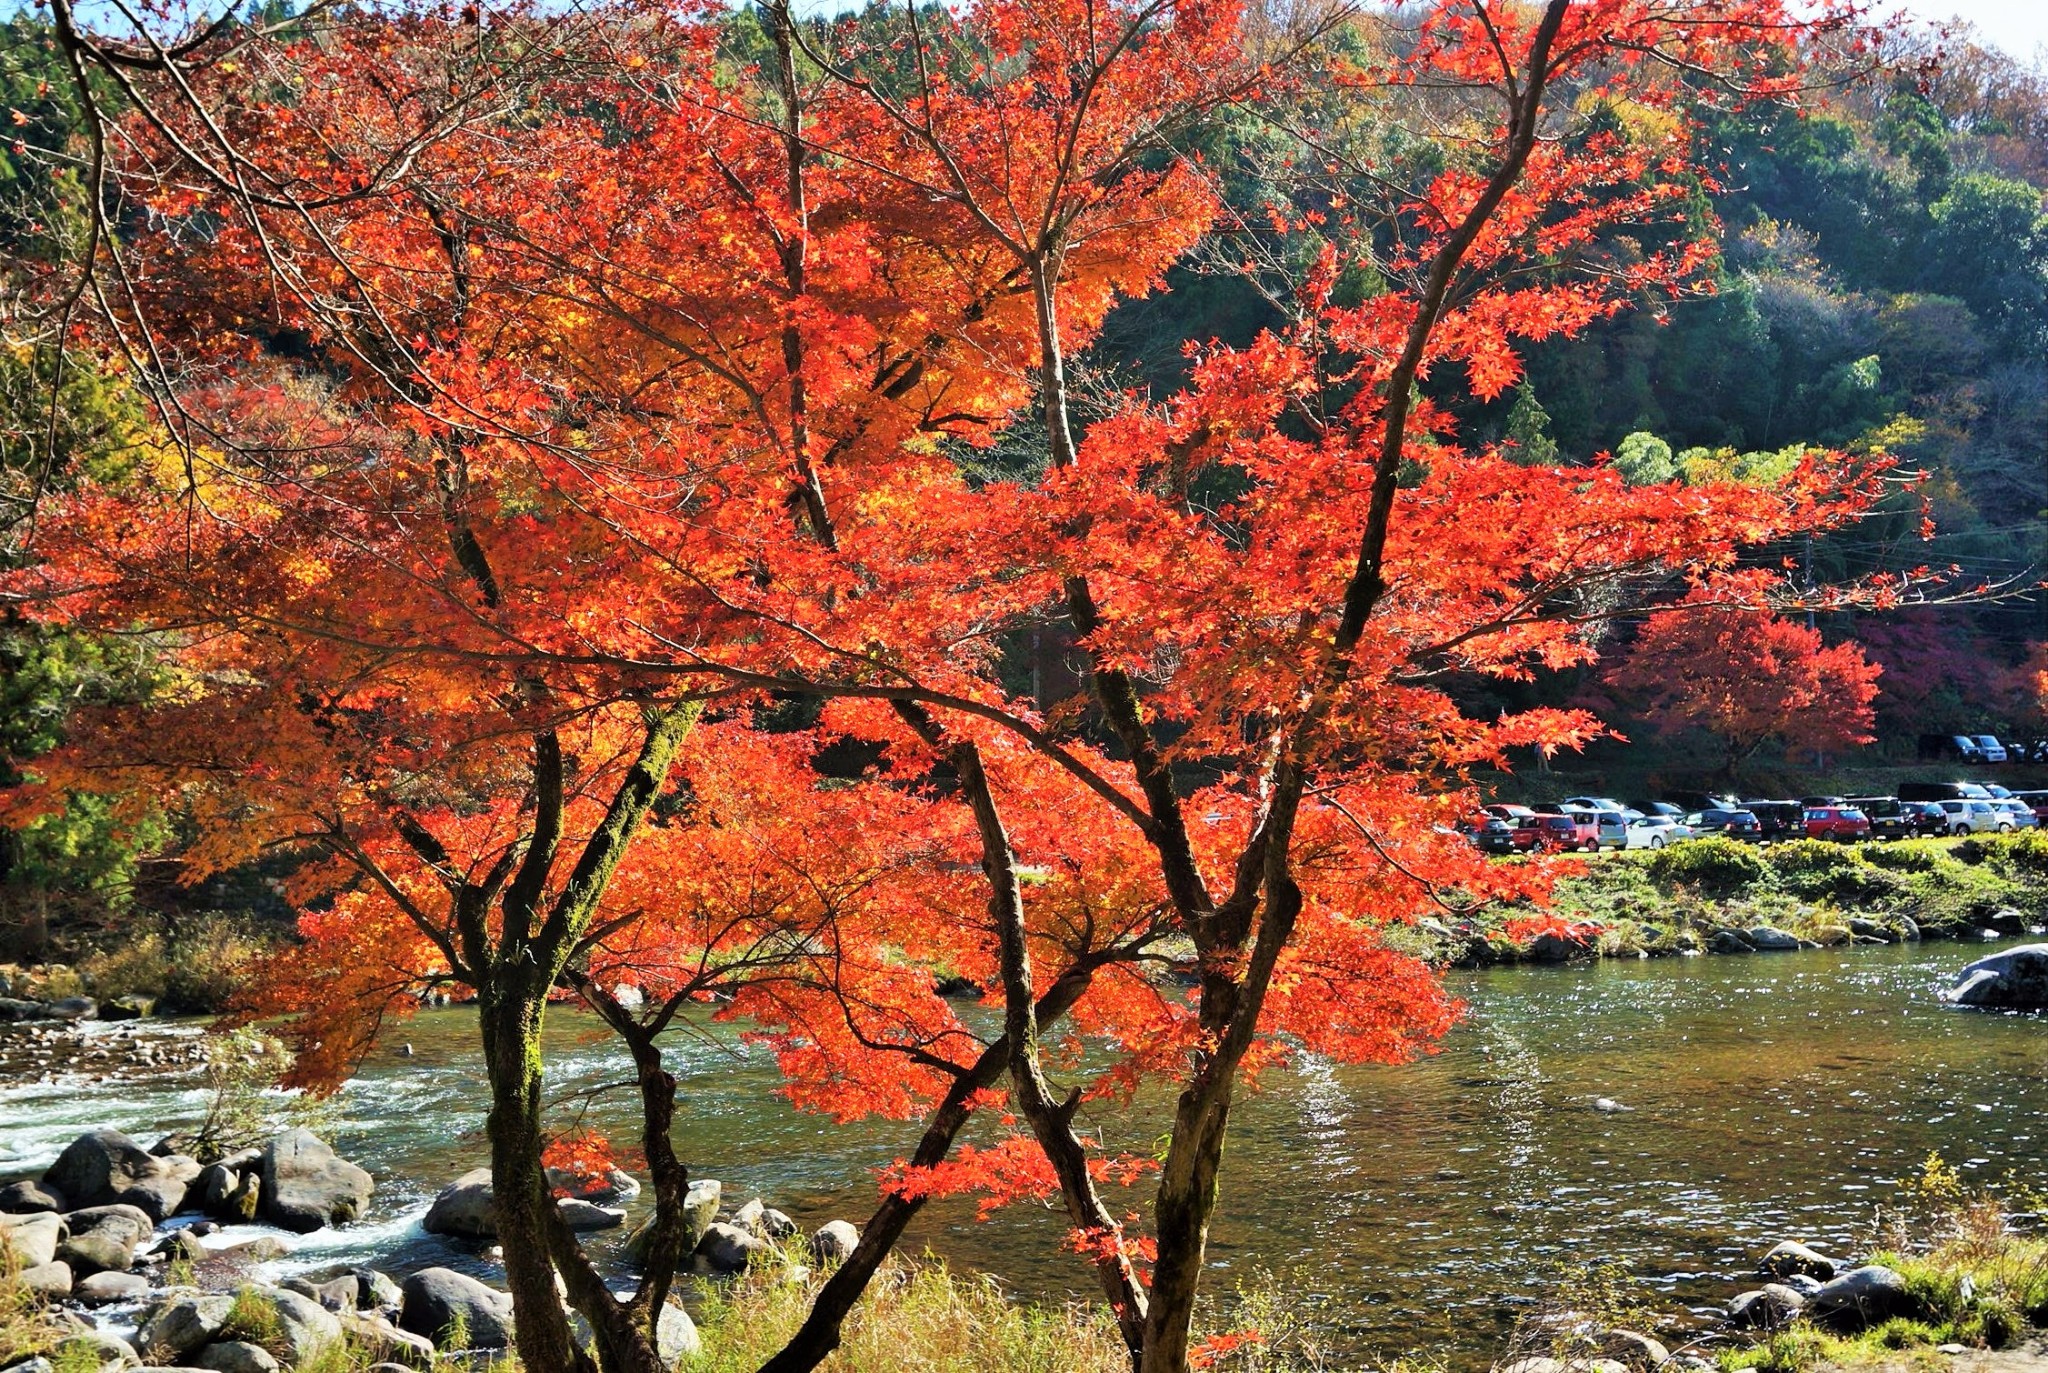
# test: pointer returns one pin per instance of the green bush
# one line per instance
(1713, 863)
(1802, 857)
(2023, 857)
(1910, 856)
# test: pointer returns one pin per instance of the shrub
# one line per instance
(2023, 857)
(1804, 857)
(1910, 856)
(1713, 863)
(192, 967)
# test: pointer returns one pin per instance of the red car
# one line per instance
(1577, 831)
(1844, 824)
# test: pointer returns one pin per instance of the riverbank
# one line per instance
(1717, 896)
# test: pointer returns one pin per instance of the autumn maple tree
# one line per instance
(1749, 676)
(557, 397)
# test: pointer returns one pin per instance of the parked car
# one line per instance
(1610, 828)
(1514, 815)
(2037, 802)
(1491, 834)
(1809, 802)
(1890, 817)
(1960, 747)
(1942, 791)
(1655, 831)
(1557, 830)
(1735, 824)
(1974, 817)
(1597, 803)
(1928, 817)
(1690, 802)
(1778, 819)
(1843, 824)
(2022, 814)
(1988, 745)
(1658, 808)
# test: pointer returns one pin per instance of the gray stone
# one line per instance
(1768, 1308)
(2015, 978)
(104, 1238)
(262, 1249)
(228, 1195)
(31, 1240)
(236, 1356)
(306, 1187)
(834, 1242)
(105, 1167)
(614, 1185)
(386, 1341)
(1869, 929)
(465, 1207)
(676, 1337)
(585, 1216)
(777, 1226)
(75, 1008)
(1551, 947)
(375, 1291)
(1909, 929)
(47, 1279)
(748, 1217)
(1729, 941)
(729, 1249)
(434, 1297)
(304, 1326)
(103, 1289)
(1768, 939)
(1802, 1284)
(700, 1207)
(183, 1324)
(38, 1364)
(181, 1246)
(1863, 1296)
(98, 1347)
(1632, 1348)
(24, 1197)
(1790, 1258)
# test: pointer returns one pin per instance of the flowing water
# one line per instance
(1411, 1208)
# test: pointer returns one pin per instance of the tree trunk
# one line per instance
(510, 1019)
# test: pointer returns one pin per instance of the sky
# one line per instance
(2018, 26)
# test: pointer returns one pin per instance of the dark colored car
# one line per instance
(1778, 819)
(1494, 835)
(1889, 817)
(1556, 830)
(1690, 801)
(1658, 808)
(1960, 747)
(1843, 824)
(1735, 824)
(1927, 816)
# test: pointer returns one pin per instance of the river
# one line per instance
(1413, 1208)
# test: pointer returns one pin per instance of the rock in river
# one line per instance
(105, 1167)
(2015, 977)
(1861, 1297)
(1769, 1307)
(1768, 939)
(1792, 1259)
(31, 1240)
(306, 1187)
(465, 1207)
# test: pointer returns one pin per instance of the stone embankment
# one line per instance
(123, 1246)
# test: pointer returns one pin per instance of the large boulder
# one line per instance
(228, 1195)
(1861, 1297)
(1729, 941)
(2011, 978)
(466, 1208)
(584, 1215)
(306, 1186)
(305, 1328)
(51, 1280)
(612, 1185)
(105, 1167)
(700, 1208)
(104, 1289)
(179, 1326)
(370, 1331)
(729, 1249)
(440, 1301)
(1769, 1307)
(1791, 1259)
(1769, 939)
(21, 1198)
(236, 1356)
(834, 1242)
(104, 1238)
(30, 1241)
(676, 1337)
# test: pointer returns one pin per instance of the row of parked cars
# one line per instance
(1591, 823)
(1983, 748)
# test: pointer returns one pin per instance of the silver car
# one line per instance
(1655, 831)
